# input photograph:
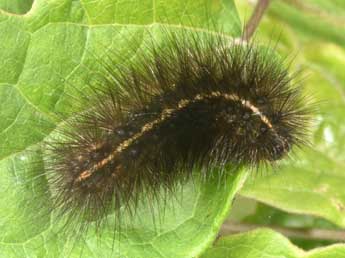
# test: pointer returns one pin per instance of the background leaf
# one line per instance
(264, 243)
(303, 230)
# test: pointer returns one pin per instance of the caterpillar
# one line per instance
(194, 103)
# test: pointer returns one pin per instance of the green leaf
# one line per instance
(311, 182)
(265, 243)
(16, 6)
(190, 220)
(44, 57)
(259, 214)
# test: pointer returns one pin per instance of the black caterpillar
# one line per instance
(193, 103)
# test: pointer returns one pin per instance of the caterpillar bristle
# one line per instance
(194, 102)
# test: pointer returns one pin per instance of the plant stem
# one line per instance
(310, 234)
(255, 19)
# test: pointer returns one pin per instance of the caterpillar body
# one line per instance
(194, 103)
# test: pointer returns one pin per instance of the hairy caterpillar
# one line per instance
(196, 102)
(139, 120)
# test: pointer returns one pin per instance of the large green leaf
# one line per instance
(45, 55)
(264, 243)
